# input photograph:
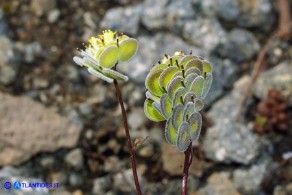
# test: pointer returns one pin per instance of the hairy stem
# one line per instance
(187, 164)
(130, 146)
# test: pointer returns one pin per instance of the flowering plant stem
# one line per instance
(130, 146)
(187, 164)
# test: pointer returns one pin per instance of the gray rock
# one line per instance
(230, 142)
(146, 150)
(53, 15)
(101, 185)
(124, 181)
(257, 13)
(41, 7)
(204, 33)
(137, 119)
(219, 183)
(75, 179)
(151, 50)
(226, 9)
(26, 128)
(31, 51)
(167, 14)
(248, 13)
(279, 78)
(59, 177)
(240, 46)
(249, 179)
(3, 24)
(91, 19)
(6, 50)
(226, 109)
(85, 109)
(7, 75)
(75, 118)
(75, 158)
(154, 14)
(225, 72)
(283, 189)
(123, 19)
(47, 162)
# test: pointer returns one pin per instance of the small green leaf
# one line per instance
(152, 83)
(195, 125)
(109, 57)
(192, 71)
(197, 86)
(183, 137)
(100, 75)
(166, 107)
(151, 112)
(127, 49)
(158, 67)
(173, 86)
(152, 97)
(189, 80)
(170, 132)
(177, 96)
(188, 111)
(207, 85)
(184, 60)
(206, 66)
(195, 63)
(189, 97)
(167, 75)
(114, 74)
(177, 116)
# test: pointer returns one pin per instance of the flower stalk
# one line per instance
(187, 164)
(129, 141)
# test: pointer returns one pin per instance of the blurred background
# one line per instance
(58, 124)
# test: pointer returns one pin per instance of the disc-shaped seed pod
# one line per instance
(176, 88)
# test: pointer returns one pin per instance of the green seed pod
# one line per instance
(176, 88)
(104, 52)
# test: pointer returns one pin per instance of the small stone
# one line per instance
(7, 75)
(31, 51)
(54, 15)
(249, 179)
(112, 164)
(146, 151)
(75, 179)
(59, 177)
(75, 158)
(173, 162)
(241, 45)
(219, 183)
(24, 135)
(47, 162)
(136, 119)
(90, 19)
(85, 109)
(101, 185)
(283, 189)
(40, 83)
(230, 142)
(123, 181)
(204, 33)
(278, 78)
(41, 7)
(123, 19)
(6, 50)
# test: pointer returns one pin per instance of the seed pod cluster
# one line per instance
(104, 52)
(176, 87)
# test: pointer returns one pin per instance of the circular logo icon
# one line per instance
(17, 185)
(7, 185)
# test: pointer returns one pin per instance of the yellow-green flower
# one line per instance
(104, 52)
(176, 89)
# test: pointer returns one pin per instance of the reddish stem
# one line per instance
(187, 164)
(130, 146)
